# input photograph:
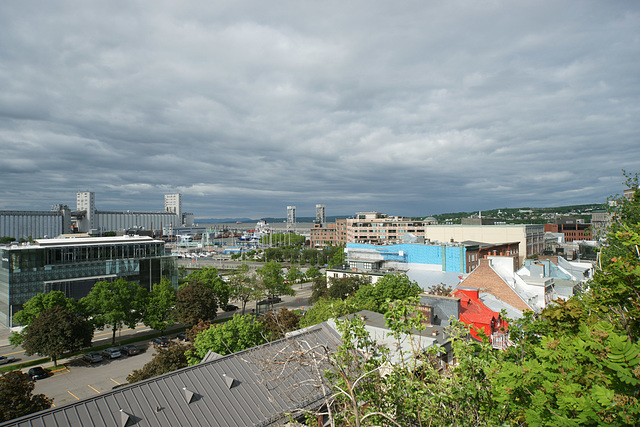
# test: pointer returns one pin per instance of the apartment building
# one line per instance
(328, 234)
(377, 229)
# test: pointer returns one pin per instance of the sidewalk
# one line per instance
(4, 336)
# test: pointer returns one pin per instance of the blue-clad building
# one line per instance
(436, 257)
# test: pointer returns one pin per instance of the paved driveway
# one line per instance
(81, 379)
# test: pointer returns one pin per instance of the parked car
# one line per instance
(129, 350)
(93, 357)
(231, 307)
(112, 353)
(161, 341)
(270, 300)
(6, 359)
(38, 373)
(182, 336)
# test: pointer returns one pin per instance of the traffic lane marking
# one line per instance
(93, 388)
(77, 398)
(114, 381)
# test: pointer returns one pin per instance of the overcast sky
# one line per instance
(407, 108)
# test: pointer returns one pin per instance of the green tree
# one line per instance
(239, 333)
(116, 303)
(318, 289)
(17, 398)
(243, 285)
(338, 258)
(389, 288)
(312, 273)
(325, 309)
(343, 287)
(165, 360)
(588, 378)
(273, 281)
(210, 277)
(36, 305)
(278, 324)
(195, 302)
(159, 307)
(56, 331)
(292, 274)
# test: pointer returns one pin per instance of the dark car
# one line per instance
(230, 307)
(161, 341)
(129, 350)
(182, 336)
(38, 373)
(270, 300)
(6, 359)
(93, 357)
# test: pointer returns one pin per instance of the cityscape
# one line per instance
(339, 214)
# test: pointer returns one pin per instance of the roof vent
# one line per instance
(230, 381)
(124, 418)
(188, 394)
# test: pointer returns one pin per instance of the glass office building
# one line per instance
(74, 265)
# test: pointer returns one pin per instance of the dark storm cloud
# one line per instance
(245, 108)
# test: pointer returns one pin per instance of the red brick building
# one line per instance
(328, 234)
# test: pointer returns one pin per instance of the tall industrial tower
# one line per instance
(321, 217)
(173, 203)
(86, 201)
(291, 218)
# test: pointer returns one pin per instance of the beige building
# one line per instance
(530, 236)
(380, 229)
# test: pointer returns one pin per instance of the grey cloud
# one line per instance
(245, 107)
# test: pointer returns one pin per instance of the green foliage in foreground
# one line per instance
(239, 333)
(577, 363)
(17, 398)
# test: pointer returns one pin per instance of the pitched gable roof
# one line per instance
(485, 278)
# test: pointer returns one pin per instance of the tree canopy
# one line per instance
(239, 333)
(55, 331)
(159, 307)
(17, 398)
(195, 302)
(117, 303)
(273, 280)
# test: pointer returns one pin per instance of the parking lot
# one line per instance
(78, 378)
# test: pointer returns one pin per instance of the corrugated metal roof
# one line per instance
(268, 381)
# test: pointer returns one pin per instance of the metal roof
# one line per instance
(254, 387)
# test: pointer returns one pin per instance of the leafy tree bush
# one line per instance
(116, 303)
(391, 287)
(195, 302)
(239, 333)
(165, 360)
(56, 331)
(273, 281)
(36, 305)
(278, 324)
(243, 285)
(17, 398)
(159, 306)
(209, 277)
(347, 286)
